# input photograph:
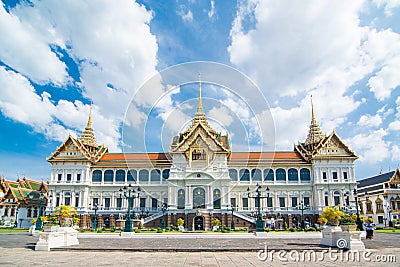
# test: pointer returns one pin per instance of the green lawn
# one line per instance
(11, 230)
(397, 231)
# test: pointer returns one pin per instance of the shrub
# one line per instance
(332, 215)
(159, 230)
(311, 229)
(292, 229)
(180, 222)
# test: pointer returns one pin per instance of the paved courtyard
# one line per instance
(193, 250)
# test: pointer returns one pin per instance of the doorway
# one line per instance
(198, 223)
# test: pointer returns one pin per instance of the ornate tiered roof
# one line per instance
(83, 148)
(200, 127)
(20, 190)
(318, 144)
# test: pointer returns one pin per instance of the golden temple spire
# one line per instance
(312, 112)
(87, 136)
(200, 102)
(315, 134)
(200, 111)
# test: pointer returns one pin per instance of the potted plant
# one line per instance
(180, 224)
(332, 215)
(348, 222)
(50, 224)
(216, 224)
(65, 215)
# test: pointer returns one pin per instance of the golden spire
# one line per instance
(200, 111)
(87, 136)
(312, 112)
(315, 134)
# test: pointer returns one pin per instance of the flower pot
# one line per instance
(66, 222)
(349, 227)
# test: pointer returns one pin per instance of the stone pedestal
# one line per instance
(65, 236)
(335, 237)
(329, 237)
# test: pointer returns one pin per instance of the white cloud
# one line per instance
(394, 126)
(370, 146)
(110, 42)
(388, 4)
(185, 14)
(211, 13)
(295, 49)
(395, 153)
(370, 121)
(23, 48)
(221, 115)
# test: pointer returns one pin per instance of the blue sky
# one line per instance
(58, 56)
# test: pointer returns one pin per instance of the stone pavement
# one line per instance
(16, 250)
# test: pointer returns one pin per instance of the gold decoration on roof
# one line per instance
(87, 137)
(315, 134)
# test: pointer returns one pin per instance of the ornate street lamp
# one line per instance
(164, 208)
(358, 222)
(258, 196)
(129, 193)
(302, 208)
(95, 208)
(39, 220)
(389, 210)
(16, 217)
(232, 209)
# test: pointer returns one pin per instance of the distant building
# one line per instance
(16, 205)
(201, 179)
(379, 197)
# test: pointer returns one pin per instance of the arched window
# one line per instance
(165, 174)
(29, 214)
(336, 198)
(108, 176)
(233, 174)
(96, 176)
(217, 199)
(256, 175)
(305, 174)
(143, 175)
(199, 198)
(181, 199)
(368, 206)
(280, 175)
(268, 175)
(155, 175)
(292, 175)
(132, 176)
(379, 206)
(120, 176)
(244, 175)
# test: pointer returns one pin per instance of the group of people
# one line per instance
(369, 229)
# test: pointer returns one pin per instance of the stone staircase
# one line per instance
(244, 217)
(152, 217)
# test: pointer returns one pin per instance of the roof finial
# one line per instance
(200, 102)
(312, 112)
(89, 122)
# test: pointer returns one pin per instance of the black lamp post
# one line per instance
(95, 208)
(302, 208)
(164, 208)
(129, 193)
(258, 197)
(16, 217)
(358, 222)
(39, 220)
(389, 210)
(232, 209)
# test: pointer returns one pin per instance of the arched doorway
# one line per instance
(198, 222)
(107, 222)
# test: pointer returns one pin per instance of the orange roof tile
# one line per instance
(134, 156)
(265, 155)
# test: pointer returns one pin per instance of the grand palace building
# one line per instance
(200, 179)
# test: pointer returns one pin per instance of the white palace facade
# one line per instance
(200, 179)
